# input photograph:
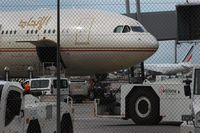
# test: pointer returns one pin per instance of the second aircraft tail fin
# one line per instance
(188, 57)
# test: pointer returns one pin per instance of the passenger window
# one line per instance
(118, 29)
(137, 29)
(13, 106)
(6, 32)
(27, 31)
(11, 32)
(126, 29)
(15, 32)
(31, 31)
(2, 32)
(49, 31)
(36, 31)
(45, 31)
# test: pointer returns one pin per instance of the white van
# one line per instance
(48, 86)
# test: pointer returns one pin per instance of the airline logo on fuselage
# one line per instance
(35, 23)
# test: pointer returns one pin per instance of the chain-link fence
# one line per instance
(104, 86)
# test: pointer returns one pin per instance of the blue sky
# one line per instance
(165, 54)
(112, 5)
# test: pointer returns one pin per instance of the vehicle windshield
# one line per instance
(63, 83)
(1, 88)
(39, 83)
(197, 82)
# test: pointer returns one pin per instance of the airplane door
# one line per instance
(83, 31)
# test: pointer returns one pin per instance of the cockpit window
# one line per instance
(118, 29)
(126, 29)
(137, 29)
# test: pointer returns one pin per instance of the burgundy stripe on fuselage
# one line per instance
(80, 50)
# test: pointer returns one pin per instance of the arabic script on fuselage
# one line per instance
(35, 23)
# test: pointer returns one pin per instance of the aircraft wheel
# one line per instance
(144, 107)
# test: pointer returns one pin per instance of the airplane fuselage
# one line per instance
(168, 69)
(89, 44)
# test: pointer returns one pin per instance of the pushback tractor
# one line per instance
(168, 100)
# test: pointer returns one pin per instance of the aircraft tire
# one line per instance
(66, 124)
(144, 107)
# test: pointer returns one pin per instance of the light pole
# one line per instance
(30, 72)
(139, 18)
(127, 7)
(58, 67)
(6, 69)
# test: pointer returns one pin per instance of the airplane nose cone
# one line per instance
(148, 41)
(152, 42)
(156, 44)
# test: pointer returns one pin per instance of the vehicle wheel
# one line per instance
(34, 127)
(144, 107)
(66, 124)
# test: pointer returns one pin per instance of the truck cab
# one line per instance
(48, 86)
(149, 102)
(24, 113)
(11, 103)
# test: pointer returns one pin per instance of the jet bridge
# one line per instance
(188, 22)
(181, 25)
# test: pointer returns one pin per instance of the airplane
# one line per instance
(92, 41)
(171, 69)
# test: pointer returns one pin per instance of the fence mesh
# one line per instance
(103, 86)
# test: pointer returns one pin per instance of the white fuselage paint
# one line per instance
(88, 43)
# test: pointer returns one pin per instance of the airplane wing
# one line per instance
(41, 43)
(187, 66)
(152, 69)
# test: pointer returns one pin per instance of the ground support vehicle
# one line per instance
(79, 90)
(191, 122)
(147, 103)
(189, 127)
(23, 113)
(48, 86)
